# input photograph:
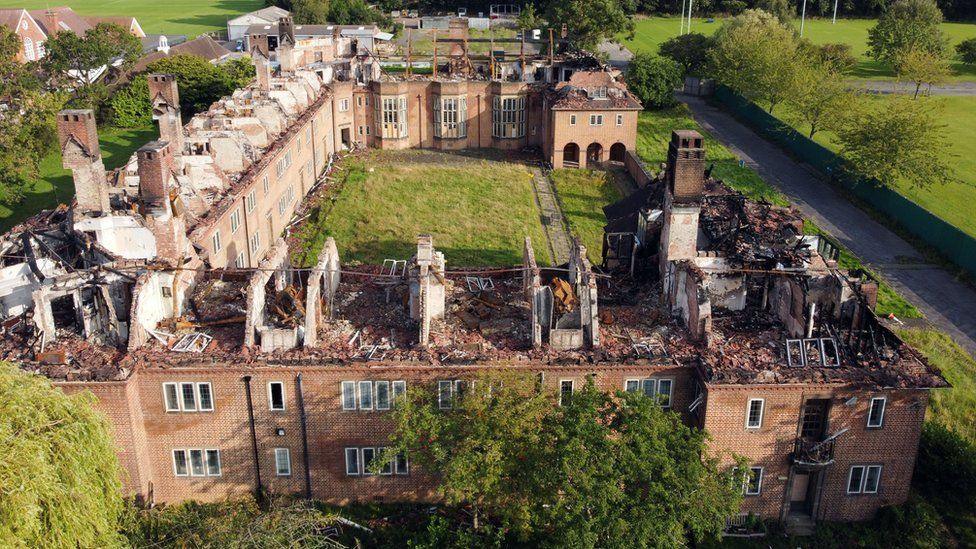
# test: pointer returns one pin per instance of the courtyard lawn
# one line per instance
(952, 201)
(189, 17)
(651, 31)
(582, 196)
(478, 210)
(55, 185)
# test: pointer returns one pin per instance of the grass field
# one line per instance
(478, 210)
(189, 17)
(55, 186)
(953, 201)
(651, 31)
(582, 195)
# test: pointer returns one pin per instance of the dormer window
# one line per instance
(598, 93)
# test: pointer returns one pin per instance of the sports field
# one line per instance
(189, 17)
(651, 31)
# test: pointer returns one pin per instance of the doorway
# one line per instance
(803, 492)
(571, 155)
(345, 137)
(594, 154)
(617, 152)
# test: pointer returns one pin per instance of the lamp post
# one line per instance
(803, 16)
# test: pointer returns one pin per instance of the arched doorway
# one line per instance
(617, 152)
(571, 155)
(594, 154)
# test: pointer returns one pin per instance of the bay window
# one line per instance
(508, 117)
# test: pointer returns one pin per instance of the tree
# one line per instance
(899, 141)
(757, 56)
(590, 21)
(528, 19)
(690, 51)
(780, 9)
(839, 58)
(78, 62)
(27, 133)
(821, 97)
(311, 12)
(59, 476)
(907, 25)
(596, 471)
(653, 79)
(921, 67)
(967, 51)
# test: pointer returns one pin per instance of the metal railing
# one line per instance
(813, 453)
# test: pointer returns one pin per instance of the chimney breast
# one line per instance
(155, 162)
(81, 154)
(80, 125)
(686, 165)
(286, 29)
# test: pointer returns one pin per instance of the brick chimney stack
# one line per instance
(80, 153)
(164, 94)
(263, 70)
(286, 30)
(686, 165)
(155, 161)
(53, 21)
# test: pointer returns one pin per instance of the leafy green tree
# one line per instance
(528, 19)
(901, 140)
(590, 21)
(757, 56)
(967, 51)
(839, 58)
(907, 25)
(77, 61)
(60, 481)
(821, 97)
(27, 133)
(690, 51)
(653, 79)
(945, 471)
(311, 12)
(780, 9)
(922, 68)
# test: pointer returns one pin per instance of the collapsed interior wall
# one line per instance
(532, 287)
(275, 265)
(320, 290)
(93, 305)
(427, 286)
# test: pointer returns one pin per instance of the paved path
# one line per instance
(947, 303)
(891, 86)
(552, 218)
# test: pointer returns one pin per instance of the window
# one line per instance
(205, 396)
(213, 463)
(29, 49)
(392, 116)
(250, 202)
(180, 465)
(876, 413)
(359, 101)
(565, 391)
(365, 395)
(348, 395)
(649, 386)
(752, 485)
(382, 395)
(276, 395)
(596, 119)
(572, 120)
(280, 167)
(872, 479)
(235, 220)
(508, 117)
(632, 385)
(282, 203)
(196, 463)
(171, 397)
(445, 394)
(664, 392)
(369, 455)
(282, 462)
(255, 241)
(401, 465)
(387, 468)
(298, 145)
(240, 262)
(450, 117)
(266, 185)
(188, 397)
(620, 120)
(754, 414)
(599, 93)
(215, 239)
(399, 388)
(864, 479)
(352, 461)
(343, 105)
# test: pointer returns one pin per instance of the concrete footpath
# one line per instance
(947, 303)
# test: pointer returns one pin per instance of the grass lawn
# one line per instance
(478, 210)
(651, 31)
(422, 42)
(582, 195)
(55, 185)
(955, 407)
(189, 17)
(952, 201)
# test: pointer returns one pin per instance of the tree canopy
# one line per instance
(653, 79)
(689, 50)
(59, 476)
(77, 62)
(907, 25)
(589, 21)
(596, 471)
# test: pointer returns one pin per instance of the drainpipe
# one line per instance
(254, 436)
(304, 423)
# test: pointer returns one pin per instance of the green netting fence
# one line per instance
(957, 246)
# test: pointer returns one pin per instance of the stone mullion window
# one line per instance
(450, 117)
(391, 116)
(508, 117)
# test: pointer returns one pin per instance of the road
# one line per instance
(947, 303)
(890, 87)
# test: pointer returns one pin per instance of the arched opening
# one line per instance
(617, 152)
(594, 154)
(571, 155)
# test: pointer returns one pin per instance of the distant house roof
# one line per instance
(152, 42)
(60, 18)
(323, 30)
(270, 14)
(201, 46)
(123, 21)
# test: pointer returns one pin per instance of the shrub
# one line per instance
(129, 107)
(967, 51)
(945, 471)
(653, 80)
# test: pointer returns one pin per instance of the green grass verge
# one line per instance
(651, 31)
(55, 186)
(582, 195)
(953, 200)
(189, 17)
(479, 211)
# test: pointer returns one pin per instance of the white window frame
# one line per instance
(364, 464)
(240, 261)
(620, 120)
(860, 483)
(193, 388)
(746, 484)
(650, 381)
(368, 385)
(282, 457)
(596, 119)
(255, 241)
(176, 394)
(215, 241)
(762, 412)
(397, 388)
(235, 220)
(271, 405)
(343, 105)
(442, 403)
(867, 475)
(206, 462)
(880, 423)
(200, 399)
(658, 393)
(636, 383)
(572, 388)
(508, 115)
(203, 462)
(358, 458)
(342, 395)
(186, 463)
(389, 395)
(406, 465)
(266, 185)
(572, 120)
